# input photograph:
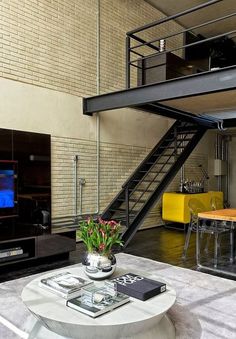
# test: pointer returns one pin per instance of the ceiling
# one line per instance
(219, 9)
(206, 104)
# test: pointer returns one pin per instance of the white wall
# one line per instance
(32, 108)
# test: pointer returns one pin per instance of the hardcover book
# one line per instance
(139, 287)
(96, 301)
(64, 284)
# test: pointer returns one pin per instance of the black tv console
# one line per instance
(35, 247)
(26, 233)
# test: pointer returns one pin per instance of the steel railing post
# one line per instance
(127, 205)
(127, 61)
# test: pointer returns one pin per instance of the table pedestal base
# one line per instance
(163, 330)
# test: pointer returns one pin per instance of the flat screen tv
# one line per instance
(8, 188)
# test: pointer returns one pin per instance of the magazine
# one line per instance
(96, 301)
(64, 284)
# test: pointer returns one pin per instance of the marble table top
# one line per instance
(52, 308)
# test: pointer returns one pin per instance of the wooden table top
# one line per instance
(228, 214)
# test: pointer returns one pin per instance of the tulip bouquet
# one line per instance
(100, 235)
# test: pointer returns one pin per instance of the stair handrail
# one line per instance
(184, 46)
(173, 16)
(147, 43)
(133, 175)
(127, 236)
(148, 186)
(135, 41)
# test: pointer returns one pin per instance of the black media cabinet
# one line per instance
(36, 247)
(25, 229)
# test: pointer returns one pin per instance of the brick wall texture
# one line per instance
(54, 44)
(49, 43)
(117, 163)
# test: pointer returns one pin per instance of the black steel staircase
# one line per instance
(146, 185)
(160, 82)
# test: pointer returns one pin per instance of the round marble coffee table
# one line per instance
(137, 319)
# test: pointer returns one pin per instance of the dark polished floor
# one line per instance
(161, 244)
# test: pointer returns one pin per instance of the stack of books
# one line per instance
(84, 296)
(95, 301)
(64, 284)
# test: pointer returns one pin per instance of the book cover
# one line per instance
(139, 287)
(65, 284)
(99, 303)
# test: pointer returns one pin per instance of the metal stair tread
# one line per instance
(165, 163)
(157, 172)
(121, 210)
(171, 147)
(143, 190)
(145, 180)
(137, 201)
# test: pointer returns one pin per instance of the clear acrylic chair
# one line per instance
(215, 228)
(195, 206)
(222, 226)
(216, 204)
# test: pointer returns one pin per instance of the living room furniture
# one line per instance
(26, 232)
(211, 228)
(167, 66)
(137, 319)
(175, 205)
(226, 215)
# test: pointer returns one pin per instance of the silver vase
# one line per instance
(99, 266)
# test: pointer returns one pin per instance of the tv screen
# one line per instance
(6, 188)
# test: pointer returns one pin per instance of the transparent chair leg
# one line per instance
(216, 250)
(186, 244)
(197, 246)
(232, 243)
(219, 245)
(206, 248)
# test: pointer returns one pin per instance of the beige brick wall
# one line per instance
(117, 163)
(63, 170)
(49, 43)
(53, 44)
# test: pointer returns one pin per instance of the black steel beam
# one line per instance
(200, 84)
(227, 123)
(178, 114)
